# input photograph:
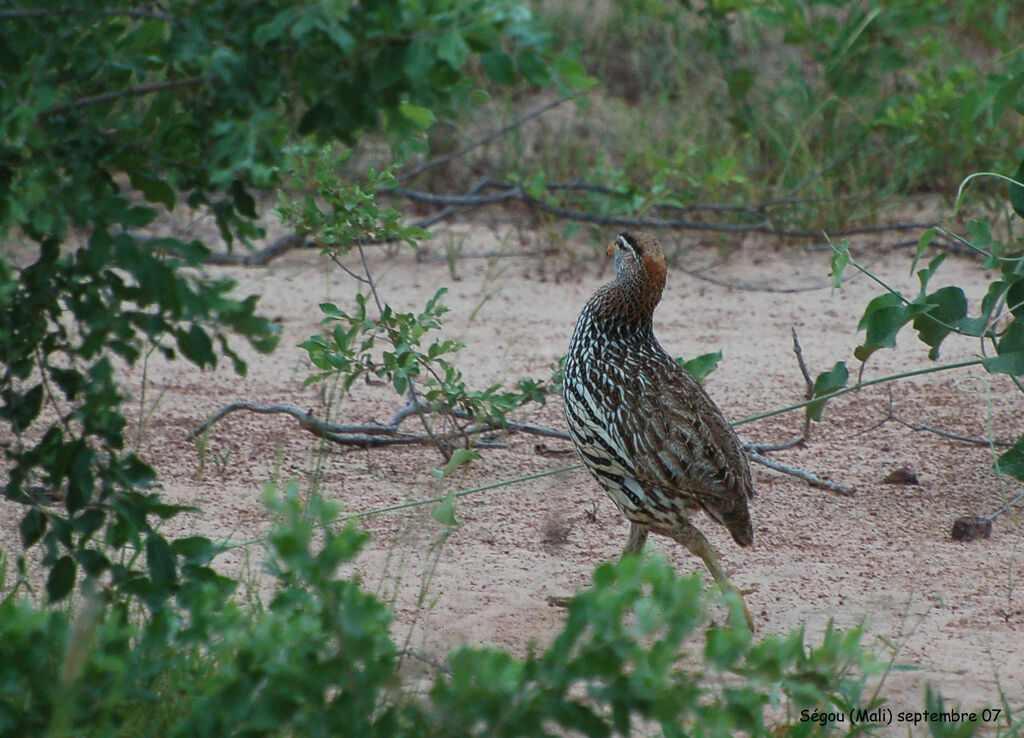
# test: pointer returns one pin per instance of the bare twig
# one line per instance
(130, 92)
(939, 432)
(810, 477)
(749, 287)
(807, 381)
(760, 448)
(258, 258)
(129, 12)
(513, 192)
(1016, 500)
(462, 150)
(428, 660)
(372, 435)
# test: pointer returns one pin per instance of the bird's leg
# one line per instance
(690, 536)
(637, 539)
(634, 545)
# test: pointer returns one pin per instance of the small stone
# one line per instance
(969, 527)
(902, 475)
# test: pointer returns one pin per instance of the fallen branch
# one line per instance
(945, 434)
(513, 192)
(810, 477)
(370, 435)
(378, 434)
(257, 258)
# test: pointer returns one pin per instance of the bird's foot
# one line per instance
(742, 603)
(558, 601)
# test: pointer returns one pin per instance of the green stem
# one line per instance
(433, 500)
(860, 385)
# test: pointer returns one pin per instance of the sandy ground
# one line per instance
(953, 611)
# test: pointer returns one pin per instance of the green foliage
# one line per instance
(936, 314)
(353, 213)
(348, 349)
(637, 651)
(701, 366)
(616, 667)
(343, 216)
(114, 116)
(826, 383)
(817, 110)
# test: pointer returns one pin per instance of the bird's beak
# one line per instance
(611, 249)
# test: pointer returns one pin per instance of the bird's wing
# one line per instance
(685, 444)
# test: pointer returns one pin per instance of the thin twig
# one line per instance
(130, 12)
(257, 258)
(807, 380)
(760, 448)
(373, 435)
(810, 477)
(939, 432)
(428, 660)
(749, 287)
(513, 192)
(1007, 506)
(518, 122)
(130, 92)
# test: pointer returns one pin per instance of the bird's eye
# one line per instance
(628, 245)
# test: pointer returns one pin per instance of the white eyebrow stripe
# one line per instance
(625, 244)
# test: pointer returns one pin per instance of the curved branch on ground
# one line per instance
(370, 435)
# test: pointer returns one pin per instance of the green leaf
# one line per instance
(275, 28)
(33, 525)
(453, 49)
(138, 216)
(1015, 298)
(499, 67)
(419, 116)
(533, 68)
(160, 561)
(93, 562)
(922, 245)
(882, 320)
(21, 409)
(194, 549)
(459, 457)
(701, 366)
(62, 579)
(1011, 461)
(244, 202)
(945, 307)
(196, 346)
(153, 188)
(444, 511)
(827, 383)
(839, 261)
(1009, 357)
(1017, 191)
(925, 275)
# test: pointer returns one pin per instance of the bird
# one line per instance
(643, 426)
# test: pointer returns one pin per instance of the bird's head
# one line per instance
(639, 258)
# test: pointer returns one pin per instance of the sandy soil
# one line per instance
(952, 610)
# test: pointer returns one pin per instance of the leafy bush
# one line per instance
(637, 650)
(115, 115)
(815, 111)
(935, 315)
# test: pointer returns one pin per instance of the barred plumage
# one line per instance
(643, 426)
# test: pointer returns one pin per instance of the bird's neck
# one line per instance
(626, 303)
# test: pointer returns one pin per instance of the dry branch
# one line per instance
(810, 477)
(945, 434)
(369, 435)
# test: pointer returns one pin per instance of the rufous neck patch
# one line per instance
(655, 266)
